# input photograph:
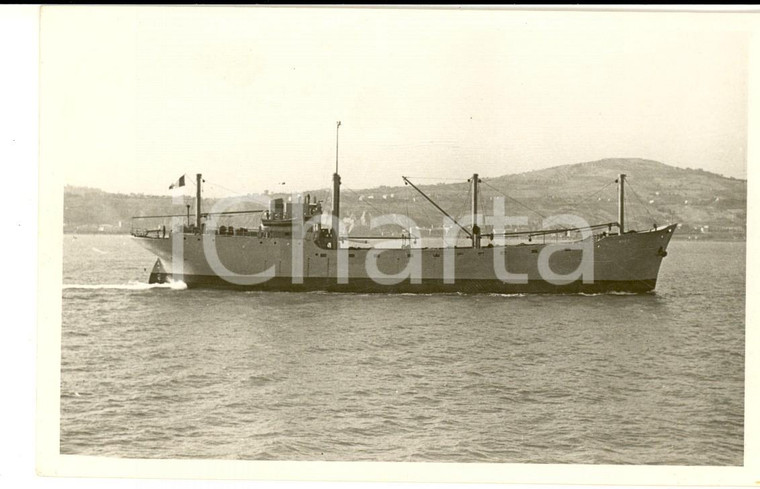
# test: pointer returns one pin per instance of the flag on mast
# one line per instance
(178, 183)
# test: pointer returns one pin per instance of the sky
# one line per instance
(131, 98)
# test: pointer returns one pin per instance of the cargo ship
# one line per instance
(298, 246)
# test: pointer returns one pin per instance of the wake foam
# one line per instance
(128, 286)
(611, 292)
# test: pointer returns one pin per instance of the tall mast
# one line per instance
(621, 203)
(336, 194)
(336, 181)
(337, 135)
(475, 228)
(198, 201)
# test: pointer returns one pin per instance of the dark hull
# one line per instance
(464, 286)
(627, 263)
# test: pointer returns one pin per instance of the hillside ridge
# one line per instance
(705, 203)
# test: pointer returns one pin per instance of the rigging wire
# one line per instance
(364, 201)
(427, 224)
(632, 214)
(544, 232)
(590, 195)
(481, 207)
(213, 184)
(484, 199)
(593, 193)
(512, 199)
(436, 178)
(424, 209)
(646, 208)
(407, 191)
(428, 219)
(467, 198)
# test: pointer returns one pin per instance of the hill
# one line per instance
(707, 204)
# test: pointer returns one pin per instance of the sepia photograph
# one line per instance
(418, 244)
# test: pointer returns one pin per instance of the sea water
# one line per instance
(165, 372)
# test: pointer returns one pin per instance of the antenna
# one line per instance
(337, 134)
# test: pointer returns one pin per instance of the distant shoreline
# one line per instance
(678, 236)
(708, 206)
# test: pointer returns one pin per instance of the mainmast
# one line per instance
(475, 228)
(336, 180)
(621, 203)
(336, 193)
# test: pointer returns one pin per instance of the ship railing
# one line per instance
(157, 226)
(490, 239)
(162, 226)
(558, 235)
(148, 233)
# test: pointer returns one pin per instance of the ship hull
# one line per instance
(428, 286)
(621, 263)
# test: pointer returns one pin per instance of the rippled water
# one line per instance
(161, 372)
